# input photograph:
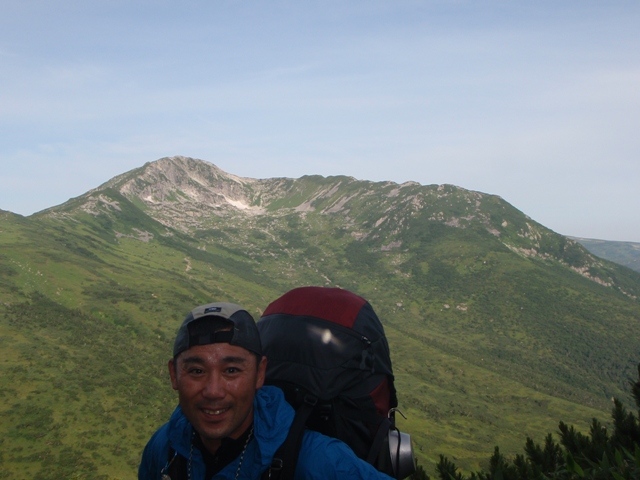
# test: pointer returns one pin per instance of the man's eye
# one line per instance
(195, 371)
(232, 370)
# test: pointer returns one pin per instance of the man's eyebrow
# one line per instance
(193, 360)
(231, 359)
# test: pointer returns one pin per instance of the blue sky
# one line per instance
(538, 102)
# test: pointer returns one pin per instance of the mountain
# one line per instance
(498, 327)
(624, 253)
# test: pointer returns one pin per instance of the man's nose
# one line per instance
(214, 386)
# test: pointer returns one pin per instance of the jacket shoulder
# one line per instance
(155, 454)
(323, 457)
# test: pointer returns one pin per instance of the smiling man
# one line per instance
(228, 425)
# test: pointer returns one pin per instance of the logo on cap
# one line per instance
(212, 309)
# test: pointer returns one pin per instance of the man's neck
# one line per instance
(212, 445)
(226, 450)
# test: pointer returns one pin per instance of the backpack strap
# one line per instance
(176, 467)
(378, 441)
(285, 460)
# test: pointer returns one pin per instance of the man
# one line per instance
(228, 425)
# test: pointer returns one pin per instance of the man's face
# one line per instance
(216, 384)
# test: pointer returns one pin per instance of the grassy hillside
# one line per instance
(490, 341)
(86, 327)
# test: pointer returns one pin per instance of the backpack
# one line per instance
(327, 351)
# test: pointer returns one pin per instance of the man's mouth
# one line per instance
(219, 411)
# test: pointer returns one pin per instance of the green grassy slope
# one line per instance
(86, 327)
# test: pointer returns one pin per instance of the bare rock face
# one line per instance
(183, 192)
(184, 180)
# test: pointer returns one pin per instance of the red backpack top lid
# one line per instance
(327, 340)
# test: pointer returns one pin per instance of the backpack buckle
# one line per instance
(276, 464)
(310, 400)
(275, 469)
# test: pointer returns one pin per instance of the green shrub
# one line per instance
(596, 456)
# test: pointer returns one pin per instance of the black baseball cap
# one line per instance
(210, 323)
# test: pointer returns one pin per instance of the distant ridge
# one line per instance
(189, 194)
(624, 253)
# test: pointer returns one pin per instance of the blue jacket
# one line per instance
(321, 457)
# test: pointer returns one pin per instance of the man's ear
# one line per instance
(173, 373)
(262, 372)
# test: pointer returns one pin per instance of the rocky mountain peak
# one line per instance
(178, 191)
(183, 180)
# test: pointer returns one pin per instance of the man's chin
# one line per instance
(213, 429)
(212, 435)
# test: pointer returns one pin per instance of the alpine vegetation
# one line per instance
(498, 327)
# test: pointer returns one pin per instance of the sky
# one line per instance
(537, 102)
